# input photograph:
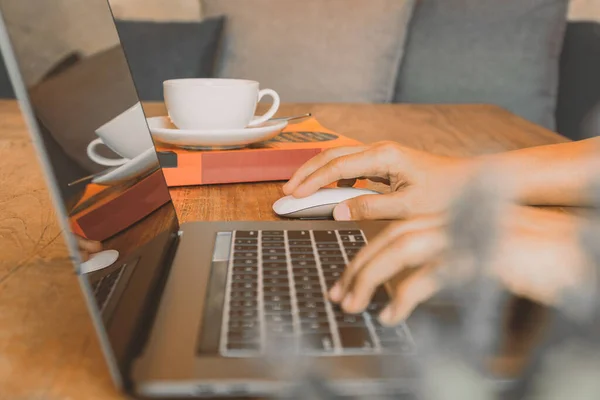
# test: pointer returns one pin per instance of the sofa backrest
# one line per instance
(578, 107)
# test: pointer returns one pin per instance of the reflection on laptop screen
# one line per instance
(102, 163)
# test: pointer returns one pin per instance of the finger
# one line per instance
(84, 255)
(368, 207)
(91, 246)
(384, 239)
(347, 166)
(408, 294)
(411, 250)
(317, 162)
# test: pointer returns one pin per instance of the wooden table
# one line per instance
(48, 349)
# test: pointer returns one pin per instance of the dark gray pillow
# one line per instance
(486, 51)
(157, 51)
(578, 109)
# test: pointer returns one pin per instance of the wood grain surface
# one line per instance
(48, 349)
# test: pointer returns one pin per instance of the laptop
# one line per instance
(200, 309)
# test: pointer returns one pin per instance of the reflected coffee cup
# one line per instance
(127, 135)
(219, 104)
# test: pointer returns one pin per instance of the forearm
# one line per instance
(552, 175)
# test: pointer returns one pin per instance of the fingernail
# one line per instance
(386, 315)
(341, 212)
(336, 292)
(347, 301)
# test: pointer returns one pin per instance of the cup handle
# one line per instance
(274, 107)
(97, 158)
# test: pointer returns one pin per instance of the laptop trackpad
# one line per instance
(210, 334)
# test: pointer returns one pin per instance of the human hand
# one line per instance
(87, 247)
(420, 182)
(536, 256)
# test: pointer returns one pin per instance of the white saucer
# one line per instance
(131, 169)
(163, 130)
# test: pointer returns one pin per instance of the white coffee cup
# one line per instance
(217, 104)
(127, 135)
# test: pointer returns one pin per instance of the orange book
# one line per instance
(274, 160)
(104, 211)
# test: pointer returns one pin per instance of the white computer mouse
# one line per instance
(318, 205)
(97, 261)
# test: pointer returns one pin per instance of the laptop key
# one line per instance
(332, 260)
(275, 298)
(275, 273)
(276, 291)
(304, 256)
(325, 236)
(353, 245)
(307, 287)
(279, 328)
(330, 252)
(275, 250)
(318, 341)
(275, 308)
(309, 296)
(350, 232)
(246, 234)
(245, 254)
(245, 262)
(327, 246)
(276, 282)
(349, 320)
(274, 257)
(352, 238)
(245, 270)
(246, 241)
(312, 315)
(239, 325)
(268, 245)
(315, 326)
(300, 243)
(251, 303)
(243, 277)
(272, 239)
(307, 279)
(306, 271)
(301, 235)
(327, 267)
(311, 305)
(244, 286)
(301, 250)
(280, 266)
(240, 247)
(272, 233)
(355, 337)
(278, 319)
(303, 263)
(247, 313)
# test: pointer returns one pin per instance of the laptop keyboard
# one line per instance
(277, 287)
(104, 287)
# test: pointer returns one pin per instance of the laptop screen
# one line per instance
(76, 91)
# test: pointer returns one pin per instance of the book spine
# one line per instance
(237, 167)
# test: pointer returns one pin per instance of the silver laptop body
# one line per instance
(200, 309)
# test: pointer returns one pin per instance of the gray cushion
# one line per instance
(315, 50)
(578, 109)
(157, 51)
(486, 51)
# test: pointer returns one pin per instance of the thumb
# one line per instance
(371, 206)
